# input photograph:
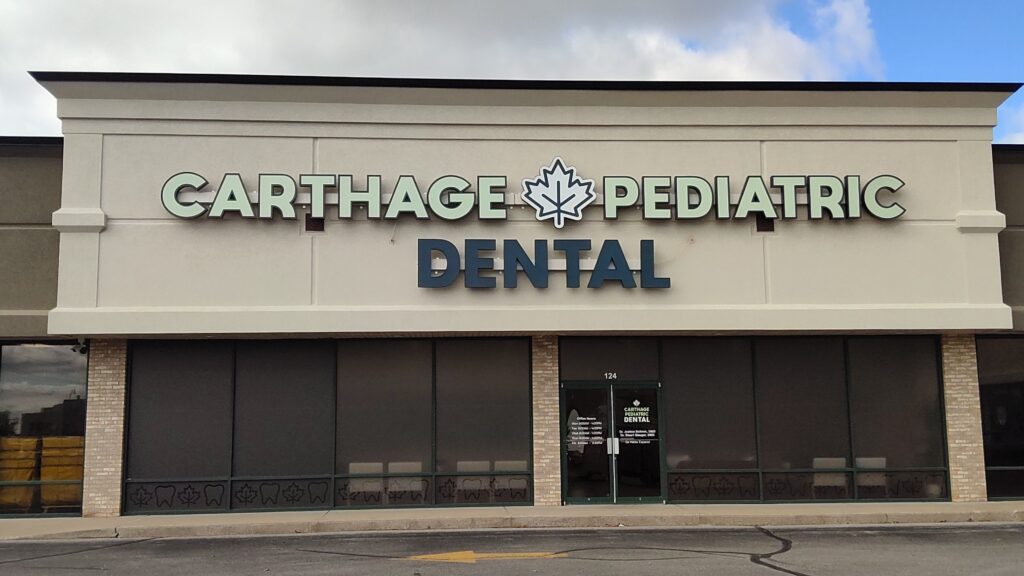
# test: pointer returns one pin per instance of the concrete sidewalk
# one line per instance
(656, 515)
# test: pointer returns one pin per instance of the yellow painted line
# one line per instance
(471, 557)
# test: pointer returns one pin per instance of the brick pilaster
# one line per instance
(963, 418)
(104, 428)
(547, 457)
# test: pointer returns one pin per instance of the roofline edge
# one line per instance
(507, 84)
(31, 140)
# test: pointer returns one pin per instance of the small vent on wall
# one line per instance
(764, 224)
(314, 224)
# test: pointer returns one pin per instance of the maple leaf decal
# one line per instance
(188, 496)
(558, 194)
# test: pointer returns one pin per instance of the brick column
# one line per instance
(547, 457)
(104, 428)
(963, 418)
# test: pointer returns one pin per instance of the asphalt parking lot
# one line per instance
(926, 550)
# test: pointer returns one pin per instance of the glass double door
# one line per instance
(611, 443)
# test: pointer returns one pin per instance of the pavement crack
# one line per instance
(351, 554)
(312, 527)
(761, 559)
(568, 553)
(73, 552)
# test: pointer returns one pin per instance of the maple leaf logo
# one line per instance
(188, 496)
(293, 493)
(141, 496)
(246, 494)
(558, 194)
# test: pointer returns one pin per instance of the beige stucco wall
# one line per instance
(30, 175)
(127, 267)
(1009, 182)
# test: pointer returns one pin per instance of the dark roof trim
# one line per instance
(1008, 147)
(466, 83)
(31, 141)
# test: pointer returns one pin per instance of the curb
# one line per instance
(509, 522)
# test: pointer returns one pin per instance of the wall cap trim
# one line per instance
(79, 220)
(980, 221)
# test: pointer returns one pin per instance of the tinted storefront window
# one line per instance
(483, 422)
(801, 394)
(284, 416)
(896, 412)
(300, 424)
(1001, 379)
(384, 422)
(384, 397)
(284, 424)
(179, 425)
(708, 393)
(42, 428)
(185, 387)
(482, 394)
(803, 417)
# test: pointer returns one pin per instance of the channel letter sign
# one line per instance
(558, 194)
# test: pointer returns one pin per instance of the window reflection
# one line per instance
(42, 427)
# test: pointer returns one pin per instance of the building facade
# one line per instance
(303, 293)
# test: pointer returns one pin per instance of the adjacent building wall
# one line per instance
(1008, 164)
(30, 180)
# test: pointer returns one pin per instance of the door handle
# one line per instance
(610, 446)
(614, 446)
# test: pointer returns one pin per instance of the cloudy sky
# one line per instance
(914, 40)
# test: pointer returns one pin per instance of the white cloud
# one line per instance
(847, 35)
(606, 39)
(1011, 123)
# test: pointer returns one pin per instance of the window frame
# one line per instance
(334, 479)
(851, 471)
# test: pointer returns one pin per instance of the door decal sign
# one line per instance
(637, 413)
